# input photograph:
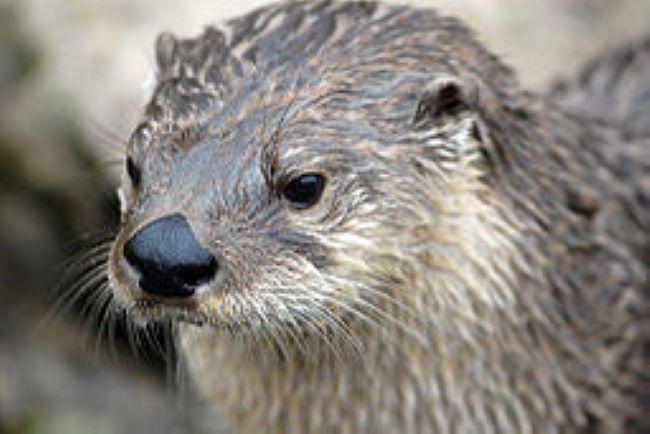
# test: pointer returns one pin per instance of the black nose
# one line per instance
(168, 258)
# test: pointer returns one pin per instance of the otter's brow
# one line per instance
(270, 154)
(269, 158)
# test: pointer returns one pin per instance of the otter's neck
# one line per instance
(398, 384)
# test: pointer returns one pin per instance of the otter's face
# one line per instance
(284, 203)
(223, 232)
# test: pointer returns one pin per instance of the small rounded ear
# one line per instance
(446, 96)
(166, 53)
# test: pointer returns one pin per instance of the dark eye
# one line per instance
(305, 190)
(133, 172)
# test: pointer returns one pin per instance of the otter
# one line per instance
(359, 222)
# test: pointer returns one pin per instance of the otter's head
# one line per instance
(276, 184)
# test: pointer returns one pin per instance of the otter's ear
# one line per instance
(446, 96)
(166, 53)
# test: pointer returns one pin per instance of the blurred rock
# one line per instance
(44, 391)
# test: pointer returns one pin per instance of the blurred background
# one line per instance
(71, 88)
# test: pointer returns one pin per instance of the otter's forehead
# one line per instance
(257, 61)
(269, 56)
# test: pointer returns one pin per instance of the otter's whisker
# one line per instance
(382, 314)
(107, 326)
(85, 286)
(103, 315)
(88, 255)
(409, 311)
(336, 324)
(316, 327)
(272, 331)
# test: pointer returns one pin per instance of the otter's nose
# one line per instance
(168, 258)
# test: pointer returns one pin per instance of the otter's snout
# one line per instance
(168, 259)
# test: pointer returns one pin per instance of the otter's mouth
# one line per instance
(202, 315)
(148, 309)
(207, 308)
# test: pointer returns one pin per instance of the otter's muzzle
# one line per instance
(168, 259)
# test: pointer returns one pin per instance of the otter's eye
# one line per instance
(305, 190)
(133, 172)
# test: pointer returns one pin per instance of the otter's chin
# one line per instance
(144, 308)
(148, 310)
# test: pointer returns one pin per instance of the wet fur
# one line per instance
(482, 268)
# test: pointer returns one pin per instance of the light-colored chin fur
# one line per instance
(445, 350)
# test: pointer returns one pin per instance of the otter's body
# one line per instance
(381, 232)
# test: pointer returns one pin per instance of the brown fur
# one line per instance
(478, 262)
